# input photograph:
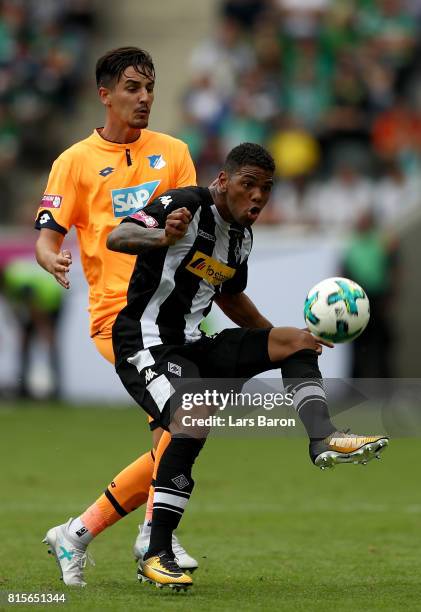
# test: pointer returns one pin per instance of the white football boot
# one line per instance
(183, 559)
(70, 558)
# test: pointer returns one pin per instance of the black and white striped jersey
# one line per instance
(172, 288)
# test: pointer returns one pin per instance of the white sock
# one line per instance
(146, 529)
(79, 533)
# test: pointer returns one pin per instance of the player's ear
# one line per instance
(104, 95)
(222, 181)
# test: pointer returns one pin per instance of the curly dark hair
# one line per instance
(111, 66)
(249, 154)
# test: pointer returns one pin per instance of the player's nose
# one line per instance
(257, 196)
(144, 95)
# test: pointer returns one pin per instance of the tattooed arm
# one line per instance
(133, 238)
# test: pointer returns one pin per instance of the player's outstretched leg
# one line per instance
(173, 488)
(328, 446)
(70, 554)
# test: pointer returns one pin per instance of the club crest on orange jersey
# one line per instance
(157, 162)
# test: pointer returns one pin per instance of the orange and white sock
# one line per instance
(162, 445)
(127, 491)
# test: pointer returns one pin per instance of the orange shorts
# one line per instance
(104, 344)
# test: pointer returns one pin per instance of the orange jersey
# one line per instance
(92, 186)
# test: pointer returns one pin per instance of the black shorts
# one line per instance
(233, 354)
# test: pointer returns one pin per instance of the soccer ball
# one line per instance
(337, 309)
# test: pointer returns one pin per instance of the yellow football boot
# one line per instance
(162, 570)
(345, 447)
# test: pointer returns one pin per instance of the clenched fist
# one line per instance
(177, 224)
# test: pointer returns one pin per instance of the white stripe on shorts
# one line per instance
(161, 390)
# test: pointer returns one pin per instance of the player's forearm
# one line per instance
(46, 250)
(241, 310)
(49, 255)
(133, 239)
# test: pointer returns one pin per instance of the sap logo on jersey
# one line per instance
(128, 200)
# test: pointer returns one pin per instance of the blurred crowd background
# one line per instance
(331, 87)
(43, 52)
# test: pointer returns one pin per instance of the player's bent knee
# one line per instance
(285, 341)
(302, 364)
(194, 423)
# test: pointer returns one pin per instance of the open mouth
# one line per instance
(253, 213)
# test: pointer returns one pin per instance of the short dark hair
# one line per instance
(111, 66)
(249, 154)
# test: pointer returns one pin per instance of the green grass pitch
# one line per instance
(270, 531)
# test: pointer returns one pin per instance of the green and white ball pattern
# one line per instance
(337, 309)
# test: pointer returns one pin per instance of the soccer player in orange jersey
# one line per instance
(114, 172)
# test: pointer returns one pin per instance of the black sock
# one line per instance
(303, 379)
(174, 485)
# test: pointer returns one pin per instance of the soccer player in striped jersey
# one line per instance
(194, 244)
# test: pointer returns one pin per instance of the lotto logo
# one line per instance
(106, 171)
(128, 200)
(44, 218)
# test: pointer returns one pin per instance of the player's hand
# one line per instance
(305, 340)
(177, 224)
(285, 341)
(318, 339)
(59, 267)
